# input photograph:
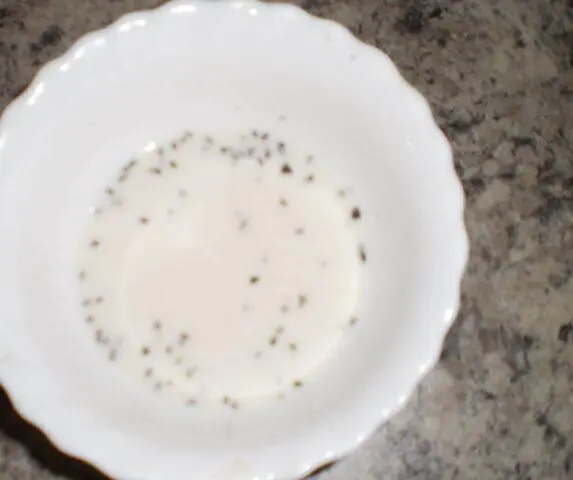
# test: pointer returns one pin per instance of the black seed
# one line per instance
(273, 341)
(283, 202)
(302, 300)
(95, 243)
(99, 335)
(145, 351)
(254, 280)
(362, 254)
(173, 164)
(143, 220)
(255, 134)
(174, 145)
(356, 213)
(286, 169)
(281, 147)
(297, 384)
(183, 338)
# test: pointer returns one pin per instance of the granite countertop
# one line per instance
(499, 75)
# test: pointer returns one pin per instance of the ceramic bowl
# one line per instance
(222, 65)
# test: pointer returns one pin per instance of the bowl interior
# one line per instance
(229, 68)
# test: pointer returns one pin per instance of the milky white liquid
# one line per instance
(221, 268)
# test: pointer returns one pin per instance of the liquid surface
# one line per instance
(221, 268)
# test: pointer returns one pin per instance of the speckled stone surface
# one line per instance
(499, 75)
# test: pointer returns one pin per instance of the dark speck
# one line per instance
(565, 332)
(265, 136)
(254, 280)
(299, 231)
(113, 355)
(82, 275)
(169, 350)
(362, 254)
(99, 299)
(173, 164)
(149, 372)
(145, 351)
(286, 169)
(143, 220)
(51, 36)
(293, 347)
(302, 300)
(284, 309)
(109, 191)
(183, 338)
(356, 214)
(309, 159)
(281, 147)
(283, 202)
(436, 12)
(353, 321)
(190, 372)
(413, 21)
(89, 319)
(309, 178)
(157, 325)
(297, 384)
(190, 402)
(95, 243)
(224, 150)
(273, 341)
(155, 171)
(99, 335)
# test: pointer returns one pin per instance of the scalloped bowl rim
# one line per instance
(64, 438)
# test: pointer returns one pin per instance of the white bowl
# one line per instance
(214, 65)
